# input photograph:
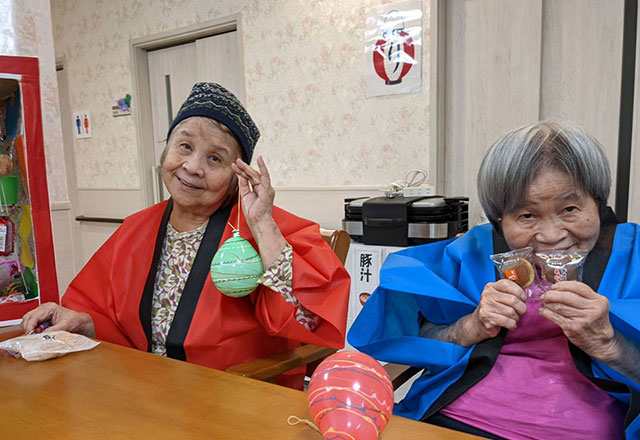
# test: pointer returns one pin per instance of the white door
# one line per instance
(172, 73)
(218, 60)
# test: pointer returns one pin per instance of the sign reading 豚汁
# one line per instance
(393, 43)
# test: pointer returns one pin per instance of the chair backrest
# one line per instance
(308, 354)
(338, 240)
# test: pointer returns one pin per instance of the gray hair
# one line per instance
(209, 121)
(515, 159)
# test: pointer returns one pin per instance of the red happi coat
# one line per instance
(209, 328)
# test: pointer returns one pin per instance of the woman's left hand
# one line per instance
(583, 316)
(257, 206)
(257, 198)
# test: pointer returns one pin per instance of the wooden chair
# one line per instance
(310, 355)
(339, 241)
(400, 374)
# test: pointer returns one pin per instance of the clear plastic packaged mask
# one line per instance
(48, 345)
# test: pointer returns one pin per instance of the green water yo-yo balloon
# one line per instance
(236, 267)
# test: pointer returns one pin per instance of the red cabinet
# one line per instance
(27, 262)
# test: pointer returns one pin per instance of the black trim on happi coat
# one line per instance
(482, 357)
(485, 353)
(594, 268)
(193, 286)
(147, 294)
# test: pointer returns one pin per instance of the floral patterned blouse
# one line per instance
(178, 254)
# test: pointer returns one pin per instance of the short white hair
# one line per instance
(515, 159)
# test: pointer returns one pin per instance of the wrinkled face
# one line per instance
(556, 215)
(197, 167)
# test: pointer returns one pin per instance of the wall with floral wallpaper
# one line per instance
(305, 87)
(25, 30)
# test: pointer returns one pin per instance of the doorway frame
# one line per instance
(139, 48)
(437, 92)
(69, 149)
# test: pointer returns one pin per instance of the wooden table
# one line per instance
(113, 392)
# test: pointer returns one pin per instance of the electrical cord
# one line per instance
(413, 178)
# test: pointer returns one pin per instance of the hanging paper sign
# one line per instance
(365, 280)
(393, 48)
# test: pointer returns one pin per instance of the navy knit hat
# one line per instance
(211, 100)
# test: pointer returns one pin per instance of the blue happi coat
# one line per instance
(443, 282)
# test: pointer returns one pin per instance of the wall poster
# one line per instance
(393, 48)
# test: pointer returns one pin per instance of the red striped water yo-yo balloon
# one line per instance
(350, 397)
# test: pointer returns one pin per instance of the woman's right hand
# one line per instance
(501, 305)
(60, 318)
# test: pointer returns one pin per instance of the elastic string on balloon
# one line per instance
(229, 223)
(293, 420)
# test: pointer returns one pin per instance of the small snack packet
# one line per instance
(561, 265)
(38, 347)
(517, 266)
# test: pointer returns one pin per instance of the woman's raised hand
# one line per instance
(583, 316)
(256, 192)
(501, 305)
(60, 318)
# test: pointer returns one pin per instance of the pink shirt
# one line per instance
(534, 390)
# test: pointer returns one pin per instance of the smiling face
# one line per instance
(197, 167)
(556, 215)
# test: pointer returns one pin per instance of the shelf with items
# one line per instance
(27, 265)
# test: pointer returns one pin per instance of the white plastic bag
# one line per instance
(38, 347)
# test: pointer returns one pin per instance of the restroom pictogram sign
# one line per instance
(82, 124)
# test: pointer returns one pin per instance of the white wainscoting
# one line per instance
(75, 242)
(103, 202)
(321, 204)
(109, 202)
(63, 243)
